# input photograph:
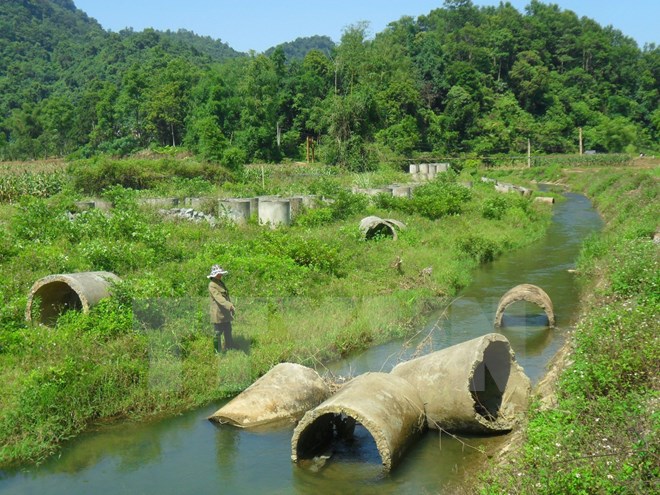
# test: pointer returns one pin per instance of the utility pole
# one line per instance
(310, 148)
(580, 129)
(529, 153)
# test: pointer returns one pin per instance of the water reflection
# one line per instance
(227, 443)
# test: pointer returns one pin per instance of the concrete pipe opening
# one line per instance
(488, 380)
(388, 408)
(281, 396)
(54, 295)
(472, 387)
(525, 292)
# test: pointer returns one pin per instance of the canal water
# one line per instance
(188, 454)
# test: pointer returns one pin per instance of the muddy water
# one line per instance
(187, 454)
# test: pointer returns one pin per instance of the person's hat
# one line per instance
(217, 270)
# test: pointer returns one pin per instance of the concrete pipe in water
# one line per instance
(283, 394)
(544, 199)
(63, 292)
(388, 407)
(472, 387)
(525, 292)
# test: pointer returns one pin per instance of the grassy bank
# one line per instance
(307, 293)
(601, 433)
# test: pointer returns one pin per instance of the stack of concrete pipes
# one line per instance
(474, 387)
(427, 171)
(270, 210)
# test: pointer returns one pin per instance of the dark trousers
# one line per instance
(220, 330)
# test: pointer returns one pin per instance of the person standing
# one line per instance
(222, 309)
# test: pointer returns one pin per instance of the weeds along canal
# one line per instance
(188, 454)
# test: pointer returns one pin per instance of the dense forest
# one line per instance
(462, 79)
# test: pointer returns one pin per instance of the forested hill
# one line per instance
(300, 47)
(462, 79)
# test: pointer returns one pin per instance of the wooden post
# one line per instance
(580, 129)
(307, 141)
(529, 153)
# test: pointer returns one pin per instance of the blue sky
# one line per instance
(260, 24)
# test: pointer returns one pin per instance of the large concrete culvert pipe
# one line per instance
(63, 292)
(525, 292)
(472, 387)
(372, 227)
(388, 407)
(283, 394)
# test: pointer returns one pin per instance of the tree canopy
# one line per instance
(461, 79)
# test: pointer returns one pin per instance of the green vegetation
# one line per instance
(306, 293)
(462, 79)
(602, 435)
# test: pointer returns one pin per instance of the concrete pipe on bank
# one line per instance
(283, 394)
(388, 407)
(63, 292)
(473, 387)
(373, 226)
(525, 292)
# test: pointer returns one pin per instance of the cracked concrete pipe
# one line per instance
(388, 407)
(283, 394)
(373, 226)
(473, 387)
(529, 293)
(59, 293)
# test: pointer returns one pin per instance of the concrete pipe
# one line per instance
(388, 407)
(544, 199)
(401, 191)
(373, 226)
(473, 387)
(504, 188)
(529, 293)
(160, 202)
(274, 211)
(297, 203)
(236, 210)
(283, 394)
(59, 293)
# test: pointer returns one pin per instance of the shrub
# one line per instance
(234, 158)
(478, 248)
(434, 200)
(38, 222)
(495, 207)
(311, 218)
